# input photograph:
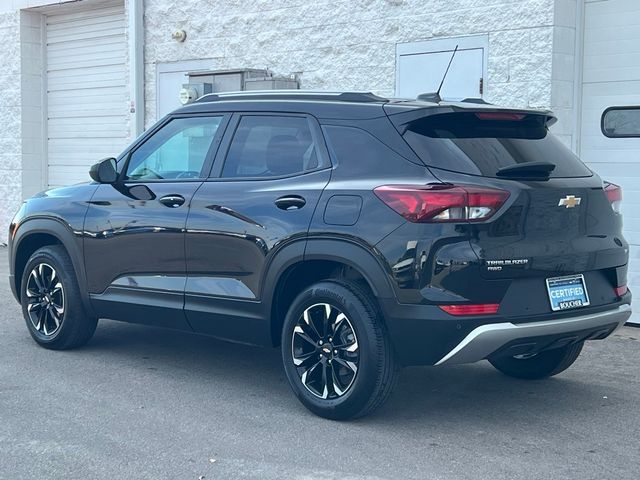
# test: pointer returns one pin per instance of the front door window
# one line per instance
(178, 150)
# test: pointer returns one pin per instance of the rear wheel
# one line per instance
(541, 365)
(51, 302)
(336, 354)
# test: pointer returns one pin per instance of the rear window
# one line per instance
(481, 144)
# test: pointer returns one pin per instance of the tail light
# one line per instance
(473, 309)
(614, 194)
(443, 202)
(620, 291)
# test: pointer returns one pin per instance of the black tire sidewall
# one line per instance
(361, 318)
(73, 310)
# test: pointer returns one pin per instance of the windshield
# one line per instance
(482, 144)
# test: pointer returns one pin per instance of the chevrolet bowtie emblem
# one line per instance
(569, 201)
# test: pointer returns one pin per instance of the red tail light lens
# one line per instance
(442, 203)
(614, 194)
(476, 309)
(620, 291)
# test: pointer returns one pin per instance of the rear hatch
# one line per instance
(558, 236)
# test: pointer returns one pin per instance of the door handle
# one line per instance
(172, 201)
(290, 202)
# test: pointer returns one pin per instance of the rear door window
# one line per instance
(271, 146)
(481, 144)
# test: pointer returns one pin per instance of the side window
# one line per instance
(359, 152)
(621, 122)
(270, 146)
(176, 151)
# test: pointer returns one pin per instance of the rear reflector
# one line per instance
(620, 291)
(477, 309)
(614, 194)
(442, 202)
(513, 117)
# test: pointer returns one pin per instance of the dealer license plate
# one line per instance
(567, 292)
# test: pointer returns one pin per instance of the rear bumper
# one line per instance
(512, 339)
(425, 335)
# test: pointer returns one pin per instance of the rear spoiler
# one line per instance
(401, 116)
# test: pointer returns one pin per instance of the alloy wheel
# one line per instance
(45, 299)
(325, 351)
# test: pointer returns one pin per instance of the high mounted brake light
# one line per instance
(514, 117)
(443, 202)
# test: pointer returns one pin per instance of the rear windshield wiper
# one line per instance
(527, 170)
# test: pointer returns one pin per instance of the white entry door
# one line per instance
(420, 67)
(611, 78)
(170, 77)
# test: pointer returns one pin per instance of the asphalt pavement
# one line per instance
(146, 403)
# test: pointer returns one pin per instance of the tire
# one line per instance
(51, 302)
(359, 361)
(544, 364)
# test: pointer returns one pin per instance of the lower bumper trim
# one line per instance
(481, 342)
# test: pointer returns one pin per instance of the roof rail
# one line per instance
(363, 97)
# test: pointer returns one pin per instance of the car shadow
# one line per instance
(455, 397)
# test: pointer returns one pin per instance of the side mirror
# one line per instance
(104, 171)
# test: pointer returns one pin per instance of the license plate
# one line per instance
(567, 292)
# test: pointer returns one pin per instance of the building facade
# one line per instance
(81, 79)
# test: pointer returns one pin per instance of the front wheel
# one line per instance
(542, 365)
(336, 353)
(51, 301)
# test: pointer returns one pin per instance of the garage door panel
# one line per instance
(86, 91)
(88, 60)
(84, 20)
(62, 53)
(89, 45)
(611, 77)
(86, 121)
(99, 11)
(90, 131)
(68, 33)
(98, 110)
(106, 72)
(89, 84)
(71, 38)
(109, 94)
(604, 46)
(67, 145)
(73, 33)
(598, 152)
(68, 176)
(82, 159)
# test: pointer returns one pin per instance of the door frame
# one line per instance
(469, 42)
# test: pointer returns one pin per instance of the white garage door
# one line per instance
(611, 77)
(86, 90)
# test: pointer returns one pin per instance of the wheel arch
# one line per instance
(298, 267)
(35, 233)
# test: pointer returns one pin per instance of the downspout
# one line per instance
(136, 65)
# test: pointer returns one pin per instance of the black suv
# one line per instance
(358, 233)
